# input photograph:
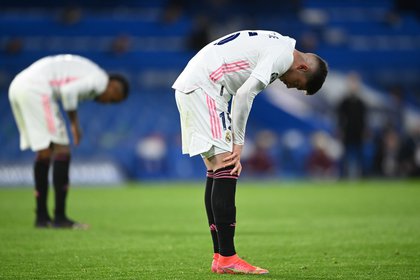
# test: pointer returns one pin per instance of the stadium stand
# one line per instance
(352, 35)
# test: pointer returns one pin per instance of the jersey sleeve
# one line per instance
(87, 87)
(241, 107)
(273, 62)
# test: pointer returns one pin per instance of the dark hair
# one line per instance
(317, 77)
(124, 82)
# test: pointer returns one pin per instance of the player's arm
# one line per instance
(69, 99)
(241, 108)
(74, 126)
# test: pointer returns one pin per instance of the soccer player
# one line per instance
(34, 94)
(239, 65)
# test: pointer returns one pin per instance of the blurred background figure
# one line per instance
(120, 45)
(200, 34)
(398, 156)
(399, 8)
(36, 95)
(395, 113)
(173, 11)
(151, 153)
(351, 117)
(321, 162)
(260, 161)
(14, 46)
(387, 156)
(70, 15)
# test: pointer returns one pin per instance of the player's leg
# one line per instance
(206, 131)
(210, 218)
(28, 113)
(192, 107)
(223, 203)
(41, 169)
(224, 210)
(61, 165)
(61, 182)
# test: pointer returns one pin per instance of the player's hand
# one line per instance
(77, 133)
(234, 159)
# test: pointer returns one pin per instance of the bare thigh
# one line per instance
(215, 162)
(53, 149)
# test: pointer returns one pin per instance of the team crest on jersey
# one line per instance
(273, 77)
(228, 136)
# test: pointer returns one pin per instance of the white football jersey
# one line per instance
(70, 78)
(226, 63)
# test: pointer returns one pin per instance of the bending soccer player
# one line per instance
(241, 65)
(34, 96)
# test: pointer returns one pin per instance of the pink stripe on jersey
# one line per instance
(48, 113)
(229, 68)
(214, 120)
(57, 83)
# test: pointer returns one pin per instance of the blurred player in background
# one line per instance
(34, 95)
(241, 65)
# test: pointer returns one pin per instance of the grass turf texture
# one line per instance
(302, 230)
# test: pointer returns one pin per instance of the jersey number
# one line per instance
(233, 37)
(222, 116)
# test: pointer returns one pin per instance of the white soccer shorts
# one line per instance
(205, 128)
(37, 116)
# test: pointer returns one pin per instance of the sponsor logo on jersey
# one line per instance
(273, 77)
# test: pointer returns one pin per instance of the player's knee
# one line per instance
(61, 150)
(44, 154)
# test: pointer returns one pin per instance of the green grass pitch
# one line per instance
(297, 230)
